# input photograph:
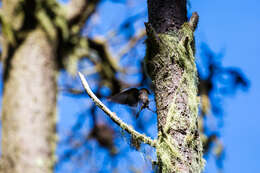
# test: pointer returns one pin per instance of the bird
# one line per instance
(132, 97)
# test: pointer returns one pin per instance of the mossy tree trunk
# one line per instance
(171, 65)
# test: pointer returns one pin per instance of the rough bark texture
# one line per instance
(170, 64)
(167, 15)
(29, 99)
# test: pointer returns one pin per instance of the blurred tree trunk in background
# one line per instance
(29, 107)
(171, 65)
(37, 38)
(29, 96)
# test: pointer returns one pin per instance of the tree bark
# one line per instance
(29, 98)
(39, 38)
(171, 65)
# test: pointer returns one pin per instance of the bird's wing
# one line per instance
(128, 97)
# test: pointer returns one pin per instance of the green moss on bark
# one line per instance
(171, 65)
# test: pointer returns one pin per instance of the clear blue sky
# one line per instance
(232, 26)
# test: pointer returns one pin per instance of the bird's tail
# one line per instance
(143, 107)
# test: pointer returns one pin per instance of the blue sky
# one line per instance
(231, 27)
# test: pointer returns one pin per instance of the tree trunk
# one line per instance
(29, 98)
(170, 64)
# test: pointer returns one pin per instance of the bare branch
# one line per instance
(75, 8)
(101, 46)
(78, 12)
(114, 117)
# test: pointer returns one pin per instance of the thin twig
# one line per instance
(114, 117)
